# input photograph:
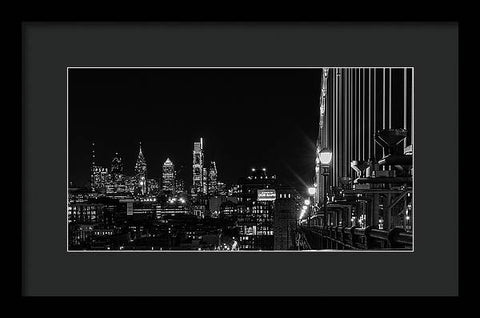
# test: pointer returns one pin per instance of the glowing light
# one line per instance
(325, 156)
(253, 169)
(312, 190)
(307, 202)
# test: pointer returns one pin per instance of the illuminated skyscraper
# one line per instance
(255, 217)
(168, 176)
(98, 174)
(117, 168)
(197, 186)
(212, 179)
(204, 180)
(141, 172)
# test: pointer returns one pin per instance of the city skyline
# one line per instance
(94, 118)
(332, 168)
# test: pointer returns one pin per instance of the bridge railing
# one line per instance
(358, 238)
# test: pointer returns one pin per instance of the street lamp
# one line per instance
(311, 192)
(325, 159)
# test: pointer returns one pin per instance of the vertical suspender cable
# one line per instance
(352, 123)
(359, 112)
(383, 96)
(374, 113)
(384, 108)
(335, 123)
(345, 127)
(412, 127)
(390, 98)
(405, 103)
(363, 116)
(349, 128)
(369, 113)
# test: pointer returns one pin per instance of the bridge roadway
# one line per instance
(353, 238)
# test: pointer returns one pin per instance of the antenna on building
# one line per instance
(93, 153)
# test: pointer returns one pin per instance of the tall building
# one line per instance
(168, 176)
(117, 169)
(255, 216)
(198, 177)
(205, 180)
(285, 217)
(98, 174)
(99, 178)
(141, 172)
(212, 179)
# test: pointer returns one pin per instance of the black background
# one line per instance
(247, 117)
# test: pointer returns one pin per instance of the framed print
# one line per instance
(240, 159)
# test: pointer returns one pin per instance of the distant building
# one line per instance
(179, 185)
(85, 213)
(255, 218)
(116, 179)
(214, 203)
(204, 180)
(162, 211)
(131, 183)
(141, 173)
(234, 191)
(152, 185)
(99, 178)
(222, 188)
(168, 176)
(212, 179)
(198, 178)
(285, 217)
(98, 175)
(199, 210)
(117, 168)
(229, 209)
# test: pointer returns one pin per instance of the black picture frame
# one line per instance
(344, 291)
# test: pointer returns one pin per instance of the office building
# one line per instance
(168, 176)
(212, 179)
(141, 173)
(198, 169)
(255, 215)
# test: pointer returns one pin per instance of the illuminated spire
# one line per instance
(141, 171)
(141, 164)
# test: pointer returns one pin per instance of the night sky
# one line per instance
(247, 117)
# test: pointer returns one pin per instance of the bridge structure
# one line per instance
(364, 197)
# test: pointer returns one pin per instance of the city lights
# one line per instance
(179, 202)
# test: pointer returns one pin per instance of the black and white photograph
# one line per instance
(240, 159)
